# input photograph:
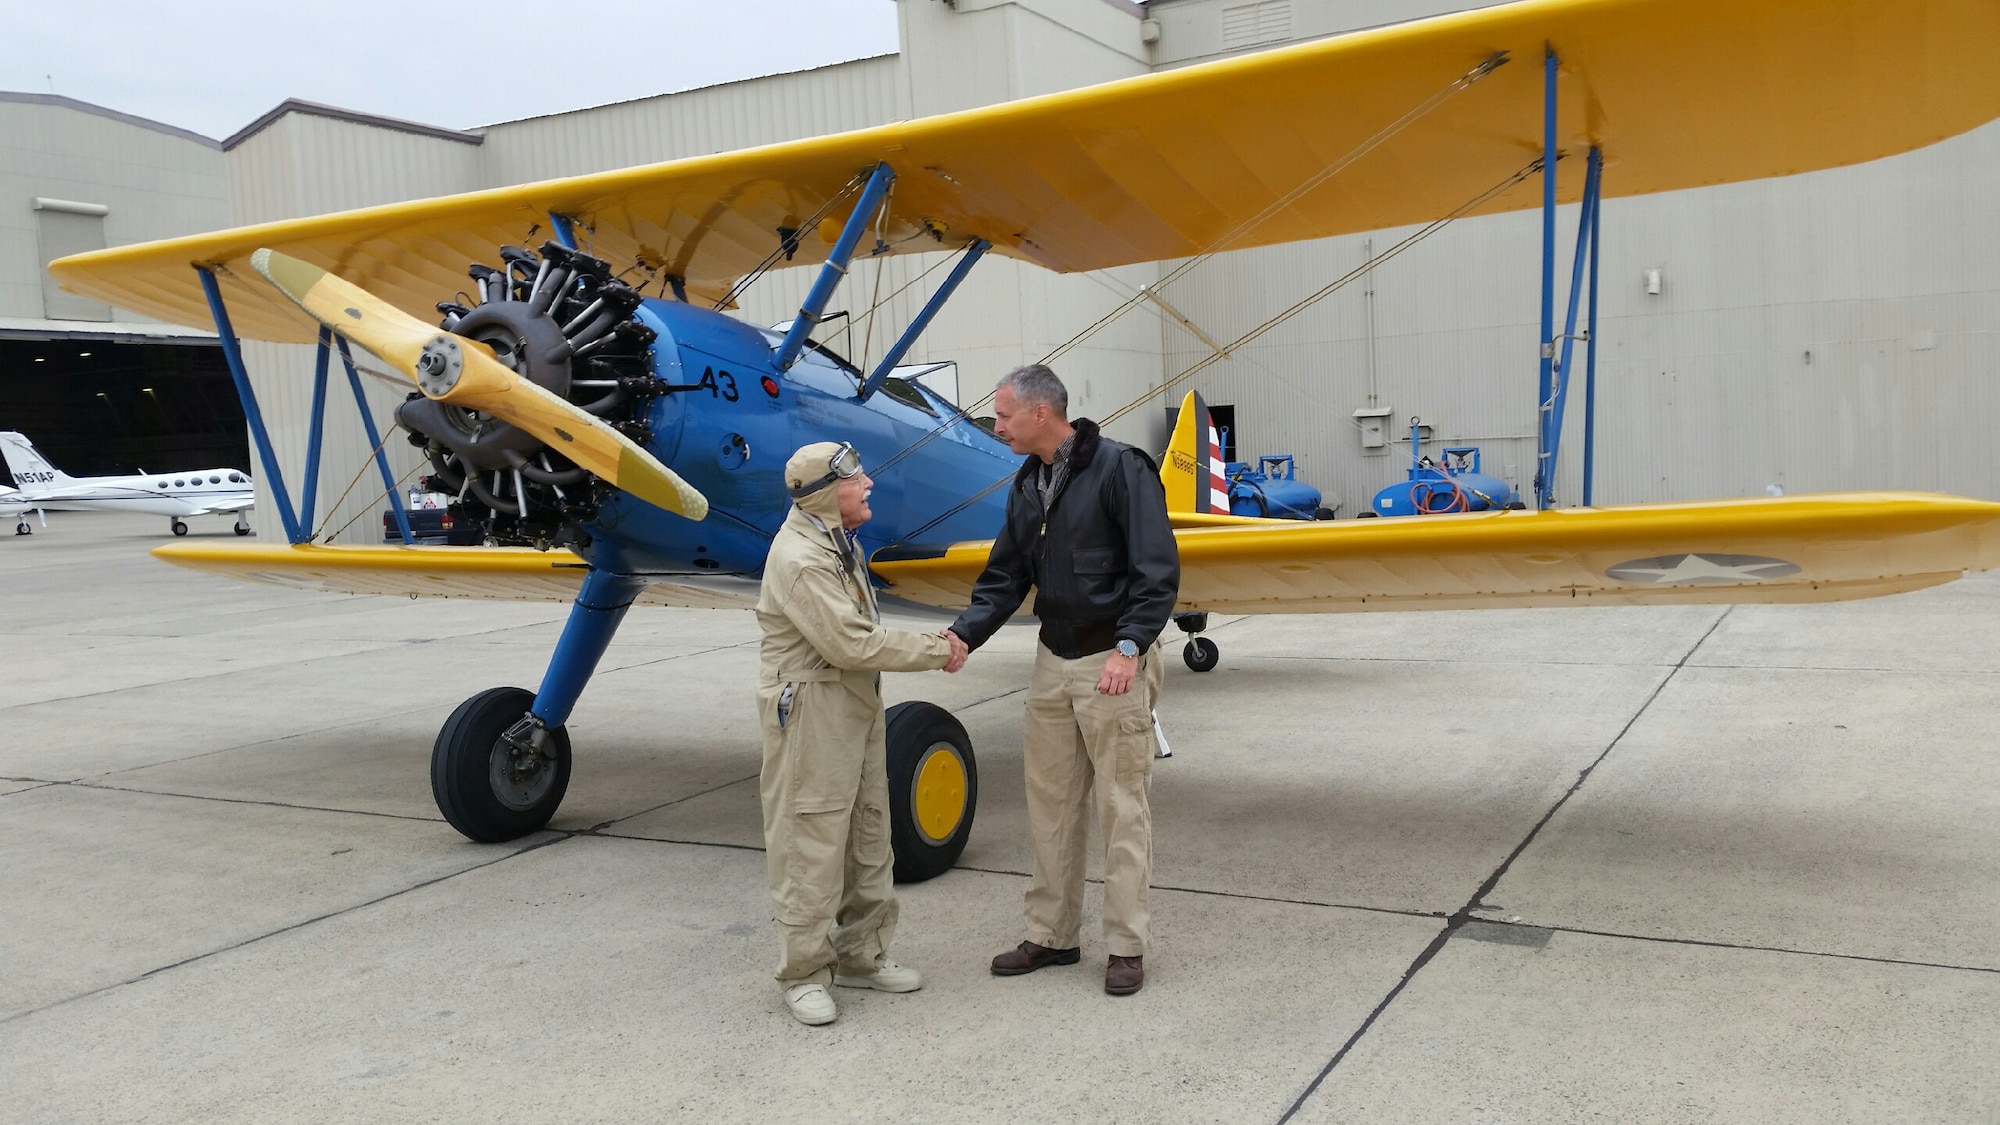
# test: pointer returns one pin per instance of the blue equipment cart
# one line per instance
(1271, 490)
(1456, 485)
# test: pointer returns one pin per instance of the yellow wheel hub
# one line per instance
(939, 794)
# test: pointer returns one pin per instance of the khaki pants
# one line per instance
(826, 826)
(1079, 743)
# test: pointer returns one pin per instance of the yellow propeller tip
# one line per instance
(289, 274)
(645, 478)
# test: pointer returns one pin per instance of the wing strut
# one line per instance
(836, 265)
(232, 353)
(973, 250)
(1555, 379)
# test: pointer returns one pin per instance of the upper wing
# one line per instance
(508, 573)
(1680, 93)
(1795, 549)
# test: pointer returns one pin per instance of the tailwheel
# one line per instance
(178, 527)
(1200, 653)
(933, 789)
(496, 772)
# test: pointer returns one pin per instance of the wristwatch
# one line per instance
(1127, 648)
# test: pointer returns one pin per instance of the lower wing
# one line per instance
(1793, 549)
(1828, 547)
(506, 573)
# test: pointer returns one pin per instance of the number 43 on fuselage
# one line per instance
(733, 418)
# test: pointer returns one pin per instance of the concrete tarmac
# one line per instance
(1680, 865)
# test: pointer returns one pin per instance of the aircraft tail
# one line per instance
(1193, 469)
(26, 462)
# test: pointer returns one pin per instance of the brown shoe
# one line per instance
(1125, 975)
(1028, 957)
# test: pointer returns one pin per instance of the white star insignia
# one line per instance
(1702, 570)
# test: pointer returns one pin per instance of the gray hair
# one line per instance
(1036, 385)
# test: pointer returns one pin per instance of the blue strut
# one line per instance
(1544, 485)
(1590, 343)
(317, 435)
(375, 442)
(1585, 225)
(232, 353)
(894, 355)
(836, 266)
(564, 228)
(595, 616)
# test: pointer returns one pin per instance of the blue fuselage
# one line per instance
(738, 419)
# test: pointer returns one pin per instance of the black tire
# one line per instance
(179, 528)
(1201, 655)
(241, 529)
(464, 768)
(1367, 515)
(925, 736)
(1323, 513)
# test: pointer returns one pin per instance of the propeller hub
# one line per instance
(439, 367)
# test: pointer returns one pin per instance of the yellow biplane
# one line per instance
(567, 411)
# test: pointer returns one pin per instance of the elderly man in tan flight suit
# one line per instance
(825, 779)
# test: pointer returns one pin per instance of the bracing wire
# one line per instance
(743, 283)
(1297, 307)
(367, 463)
(1235, 234)
(1373, 142)
(351, 520)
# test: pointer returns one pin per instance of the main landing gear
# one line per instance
(501, 764)
(933, 789)
(1200, 653)
(496, 771)
(22, 528)
(179, 527)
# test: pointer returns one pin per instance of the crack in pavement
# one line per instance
(243, 801)
(1464, 914)
(254, 939)
(1750, 947)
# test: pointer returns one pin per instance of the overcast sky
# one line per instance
(214, 65)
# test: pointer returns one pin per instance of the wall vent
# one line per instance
(1247, 25)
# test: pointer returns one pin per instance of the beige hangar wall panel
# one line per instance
(779, 107)
(979, 52)
(152, 181)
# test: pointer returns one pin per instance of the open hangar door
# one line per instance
(109, 405)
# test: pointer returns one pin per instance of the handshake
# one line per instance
(959, 650)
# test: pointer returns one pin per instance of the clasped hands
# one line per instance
(959, 650)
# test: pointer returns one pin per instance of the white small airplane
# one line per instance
(202, 492)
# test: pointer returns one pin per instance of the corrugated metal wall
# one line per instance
(157, 182)
(781, 107)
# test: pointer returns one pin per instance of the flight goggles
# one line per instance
(844, 463)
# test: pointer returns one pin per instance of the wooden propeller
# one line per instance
(464, 373)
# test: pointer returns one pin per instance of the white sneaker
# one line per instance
(887, 976)
(811, 1003)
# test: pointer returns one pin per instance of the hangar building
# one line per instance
(1827, 331)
